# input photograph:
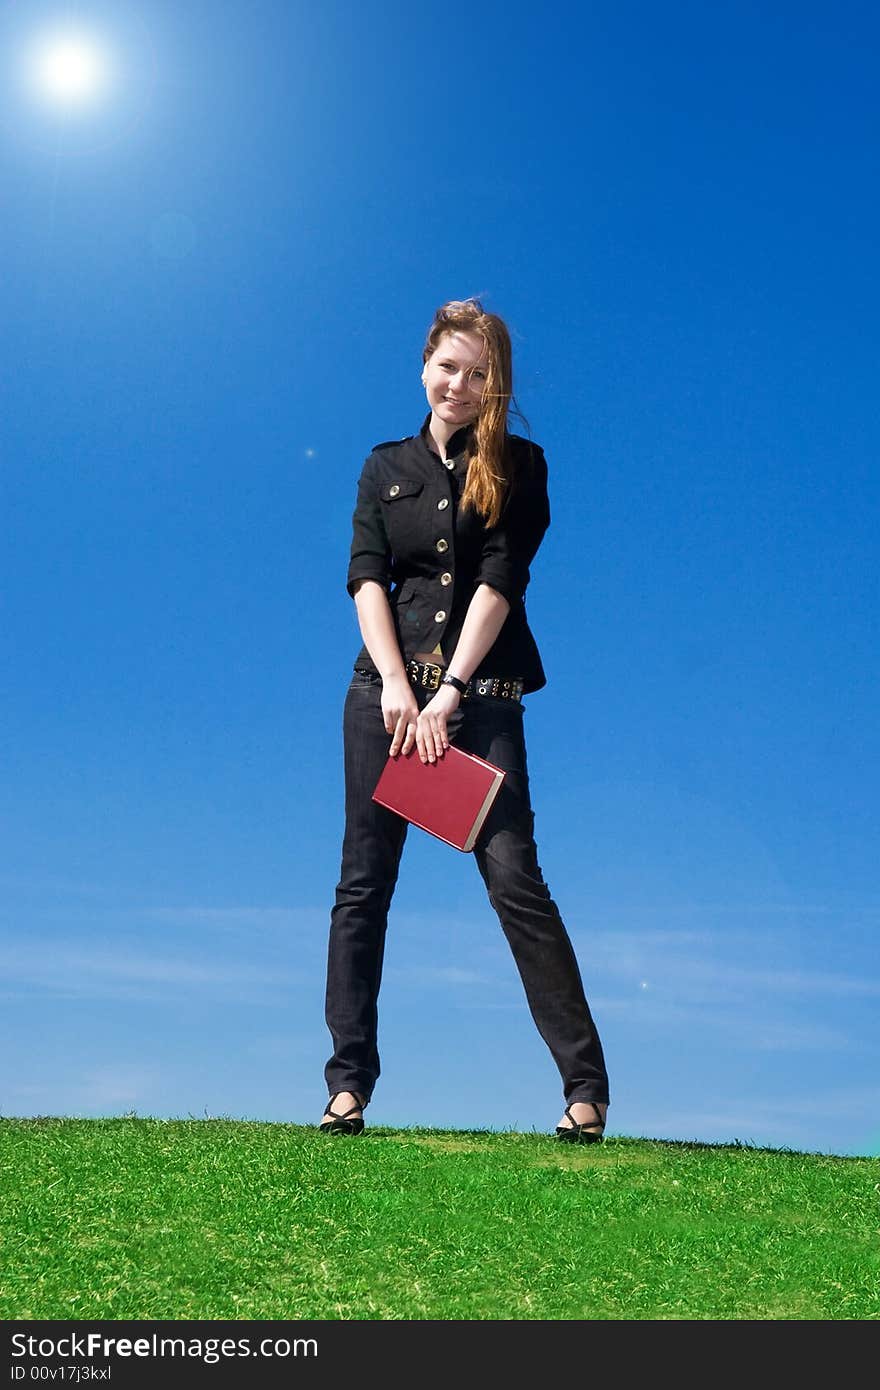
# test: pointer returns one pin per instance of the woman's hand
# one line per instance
(431, 737)
(400, 712)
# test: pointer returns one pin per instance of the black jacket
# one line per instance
(410, 535)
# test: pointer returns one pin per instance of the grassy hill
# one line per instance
(154, 1219)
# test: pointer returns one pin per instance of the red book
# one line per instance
(450, 798)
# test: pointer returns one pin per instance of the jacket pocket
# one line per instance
(402, 487)
(405, 592)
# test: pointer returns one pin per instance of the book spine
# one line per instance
(483, 812)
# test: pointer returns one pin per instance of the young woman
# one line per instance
(446, 526)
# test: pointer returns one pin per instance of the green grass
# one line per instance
(169, 1219)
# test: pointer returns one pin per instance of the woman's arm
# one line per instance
(483, 621)
(377, 628)
(400, 709)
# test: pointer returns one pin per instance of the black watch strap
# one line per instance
(460, 686)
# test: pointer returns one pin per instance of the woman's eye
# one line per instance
(481, 376)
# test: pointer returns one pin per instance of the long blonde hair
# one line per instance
(488, 476)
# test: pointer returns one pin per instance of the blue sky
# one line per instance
(216, 282)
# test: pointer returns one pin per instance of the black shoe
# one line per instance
(579, 1133)
(341, 1124)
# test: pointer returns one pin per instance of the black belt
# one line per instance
(425, 675)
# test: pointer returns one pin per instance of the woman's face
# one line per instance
(454, 378)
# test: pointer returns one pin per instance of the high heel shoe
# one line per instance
(579, 1133)
(341, 1124)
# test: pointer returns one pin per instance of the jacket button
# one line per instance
(446, 578)
(393, 491)
(442, 545)
(450, 463)
(443, 504)
(440, 615)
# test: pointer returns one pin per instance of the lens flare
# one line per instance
(70, 69)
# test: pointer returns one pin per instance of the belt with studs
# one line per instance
(425, 675)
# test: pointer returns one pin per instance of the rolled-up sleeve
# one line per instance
(370, 551)
(510, 547)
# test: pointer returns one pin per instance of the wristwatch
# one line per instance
(460, 686)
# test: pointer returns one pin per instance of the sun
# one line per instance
(70, 68)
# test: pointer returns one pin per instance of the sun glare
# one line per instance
(69, 69)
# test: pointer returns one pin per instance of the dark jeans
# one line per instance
(507, 858)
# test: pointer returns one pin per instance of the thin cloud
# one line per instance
(438, 975)
(118, 1085)
(260, 917)
(649, 956)
(804, 1118)
(73, 973)
(748, 1027)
